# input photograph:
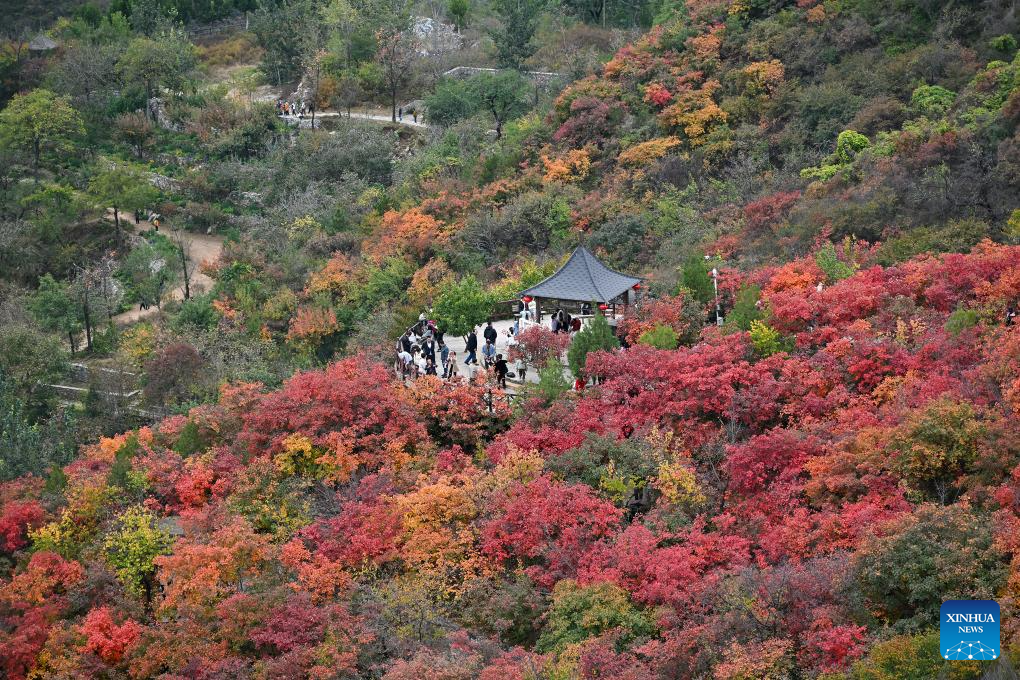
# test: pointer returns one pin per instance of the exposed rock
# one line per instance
(157, 111)
(436, 37)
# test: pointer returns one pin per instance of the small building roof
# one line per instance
(42, 43)
(583, 278)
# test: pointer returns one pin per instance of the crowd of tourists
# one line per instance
(423, 350)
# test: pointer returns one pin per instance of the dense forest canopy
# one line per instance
(220, 219)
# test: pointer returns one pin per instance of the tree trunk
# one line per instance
(184, 269)
(74, 343)
(393, 104)
(87, 317)
(116, 222)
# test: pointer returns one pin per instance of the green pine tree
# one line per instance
(597, 335)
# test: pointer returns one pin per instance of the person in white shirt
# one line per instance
(511, 341)
(405, 362)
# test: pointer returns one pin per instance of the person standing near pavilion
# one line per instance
(489, 333)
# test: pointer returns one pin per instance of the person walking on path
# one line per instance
(471, 345)
(444, 356)
(490, 333)
(501, 370)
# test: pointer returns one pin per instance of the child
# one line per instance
(521, 368)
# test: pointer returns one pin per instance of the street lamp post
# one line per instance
(715, 286)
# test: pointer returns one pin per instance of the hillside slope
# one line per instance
(808, 501)
(789, 495)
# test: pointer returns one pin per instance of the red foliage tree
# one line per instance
(351, 406)
(537, 344)
(17, 519)
(29, 604)
(106, 639)
(548, 526)
(764, 213)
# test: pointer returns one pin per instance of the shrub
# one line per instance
(933, 555)
(961, 319)
(551, 381)
(579, 613)
(537, 345)
(132, 547)
(697, 278)
(932, 100)
(849, 144)
(911, 657)
(745, 308)
(828, 261)
(764, 339)
(597, 335)
(660, 337)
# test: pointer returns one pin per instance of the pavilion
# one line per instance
(42, 43)
(584, 279)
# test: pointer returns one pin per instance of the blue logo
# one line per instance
(969, 630)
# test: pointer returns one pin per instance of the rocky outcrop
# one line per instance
(156, 109)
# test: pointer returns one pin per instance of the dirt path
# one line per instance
(379, 117)
(201, 248)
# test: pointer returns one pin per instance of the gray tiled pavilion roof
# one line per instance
(42, 43)
(584, 279)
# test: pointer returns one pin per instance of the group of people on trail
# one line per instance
(493, 360)
(413, 112)
(562, 322)
(299, 108)
(422, 350)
